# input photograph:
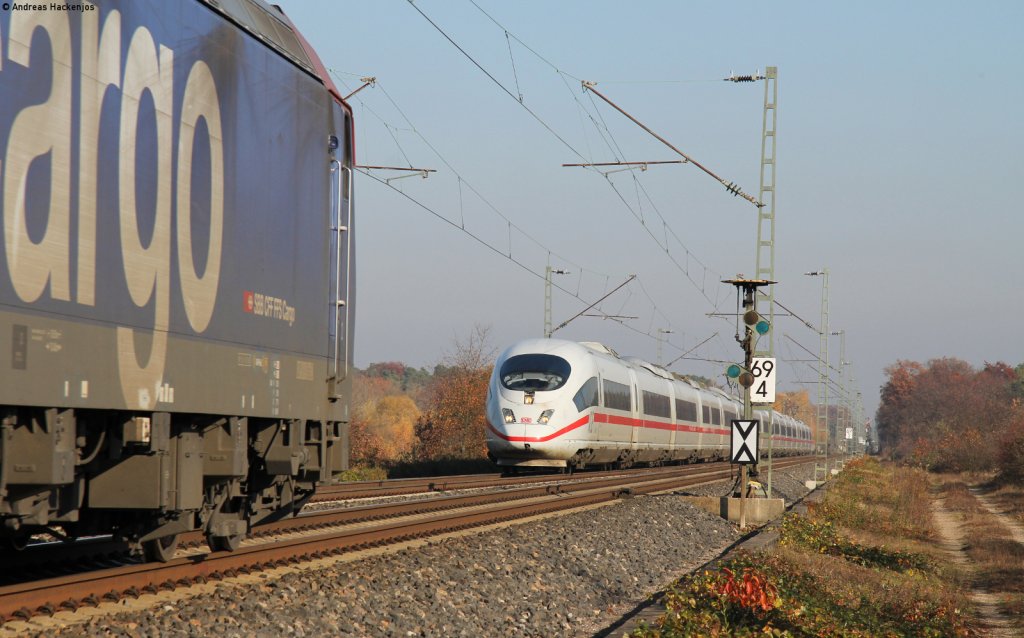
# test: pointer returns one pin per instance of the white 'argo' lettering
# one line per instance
(39, 130)
(200, 293)
(101, 68)
(146, 269)
(45, 129)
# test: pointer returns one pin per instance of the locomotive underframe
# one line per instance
(146, 477)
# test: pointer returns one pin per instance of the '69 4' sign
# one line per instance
(763, 388)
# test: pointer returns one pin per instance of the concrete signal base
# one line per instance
(758, 510)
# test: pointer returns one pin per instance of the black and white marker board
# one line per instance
(744, 441)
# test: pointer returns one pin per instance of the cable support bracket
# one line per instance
(730, 186)
(367, 81)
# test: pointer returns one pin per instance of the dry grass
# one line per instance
(883, 501)
(1010, 499)
(852, 585)
(998, 558)
(866, 562)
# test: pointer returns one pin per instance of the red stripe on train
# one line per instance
(620, 420)
(540, 439)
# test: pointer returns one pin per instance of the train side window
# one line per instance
(617, 396)
(706, 413)
(586, 397)
(716, 416)
(686, 410)
(657, 405)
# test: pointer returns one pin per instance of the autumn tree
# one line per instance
(798, 405)
(391, 421)
(381, 428)
(406, 379)
(455, 420)
(896, 396)
(947, 415)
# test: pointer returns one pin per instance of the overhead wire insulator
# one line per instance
(743, 78)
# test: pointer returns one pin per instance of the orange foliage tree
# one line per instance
(454, 422)
(798, 405)
(381, 429)
(947, 415)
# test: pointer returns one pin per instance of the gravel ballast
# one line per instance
(567, 575)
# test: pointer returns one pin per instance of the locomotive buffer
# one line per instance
(745, 430)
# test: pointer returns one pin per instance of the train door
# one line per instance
(673, 416)
(635, 414)
(701, 420)
(340, 294)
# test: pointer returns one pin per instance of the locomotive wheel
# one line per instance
(225, 543)
(161, 549)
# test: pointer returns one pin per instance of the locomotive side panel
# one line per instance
(176, 282)
(166, 215)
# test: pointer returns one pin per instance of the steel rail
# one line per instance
(71, 592)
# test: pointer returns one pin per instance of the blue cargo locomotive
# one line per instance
(176, 287)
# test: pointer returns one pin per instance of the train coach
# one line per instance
(176, 287)
(561, 404)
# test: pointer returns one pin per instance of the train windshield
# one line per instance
(534, 372)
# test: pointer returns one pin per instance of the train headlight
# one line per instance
(545, 416)
(528, 398)
(510, 416)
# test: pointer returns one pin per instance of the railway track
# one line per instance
(328, 533)
(66, 558)
(400, 487)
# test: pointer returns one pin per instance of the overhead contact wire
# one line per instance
(551, 130)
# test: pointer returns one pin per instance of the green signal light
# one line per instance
(762, 327)
(733, 371)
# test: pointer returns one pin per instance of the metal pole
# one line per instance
(823, 376)
(765, 250)
(547, 302)
(843, 416)
(662, 331)
(748, 407)
(548, 271)
(749, 291)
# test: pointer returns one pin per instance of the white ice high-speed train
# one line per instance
(554, 403)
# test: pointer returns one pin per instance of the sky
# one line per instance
(898, 168)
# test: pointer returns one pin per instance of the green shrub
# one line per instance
(363, 473)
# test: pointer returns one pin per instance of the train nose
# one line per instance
(516, 432)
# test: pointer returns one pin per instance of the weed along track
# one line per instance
(862, 562)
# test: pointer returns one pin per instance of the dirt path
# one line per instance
(1015, 529)
(998, 624)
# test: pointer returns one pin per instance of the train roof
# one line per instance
(268, 24)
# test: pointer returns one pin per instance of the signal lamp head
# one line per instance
(746, 379)
(756, 321)
(733, 371)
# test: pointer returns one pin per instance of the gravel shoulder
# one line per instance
(568, 575)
